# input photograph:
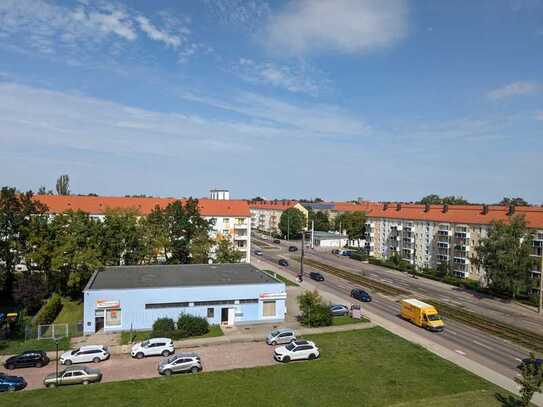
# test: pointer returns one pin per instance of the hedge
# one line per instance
(48, 313)
(192, 325)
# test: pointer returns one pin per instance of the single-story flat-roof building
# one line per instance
(327, 240)
(133, 297)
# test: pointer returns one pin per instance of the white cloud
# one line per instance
(117, 22)
(240, 14)
(514, 89)
(296, 79)
(158, 35)
(345, 26)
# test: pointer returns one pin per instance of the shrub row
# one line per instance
(187, 326)
(48, 313)
(360, 256)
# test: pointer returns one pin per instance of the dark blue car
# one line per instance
(360, 295)
(11, 383)
(316, 276)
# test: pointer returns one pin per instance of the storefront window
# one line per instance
(211, 312)
(268, 308)
(113, 317)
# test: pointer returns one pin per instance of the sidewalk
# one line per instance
(459, 360)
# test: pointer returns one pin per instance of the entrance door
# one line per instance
(224, 315)
(231, 315)
(98, 324)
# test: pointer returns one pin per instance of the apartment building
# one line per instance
(265, 215)
(429, 235)
(231, 218)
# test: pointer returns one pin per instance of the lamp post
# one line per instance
(56, 362)
(288, 226)
(301, 275)
(541, 283)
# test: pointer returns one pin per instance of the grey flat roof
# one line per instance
(328, 235)
(177, 275)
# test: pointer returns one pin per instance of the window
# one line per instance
(113, 317)
(211, 312)
(220, 302)
(249, 301)
(167, 305)
(268, 308)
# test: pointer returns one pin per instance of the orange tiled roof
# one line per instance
(279, 205)
(97, 205)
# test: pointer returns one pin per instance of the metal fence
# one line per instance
(54, 331)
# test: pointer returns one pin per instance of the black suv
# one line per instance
(360, 295)
(276, 241)
(283, 262)
(316, 276)
(292, 249)
(30, 358)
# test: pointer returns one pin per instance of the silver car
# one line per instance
(283, 335)
(73, 375)
(181, 362)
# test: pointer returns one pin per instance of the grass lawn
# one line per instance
(214, 330)
(346, 319)
(283, 279)
(72, 311)
(18, 345)
(364, 368)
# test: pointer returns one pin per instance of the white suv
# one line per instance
(153, 347)
(296, 350)
(85, 354)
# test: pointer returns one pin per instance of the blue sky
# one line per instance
(387, 100)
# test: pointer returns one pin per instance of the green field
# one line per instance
(72, 312)
(285, 280)
(357, 368)
(127, 337)
(346, 320)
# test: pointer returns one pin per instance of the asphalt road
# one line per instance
(488, 350)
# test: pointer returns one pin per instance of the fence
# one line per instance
(54, 331)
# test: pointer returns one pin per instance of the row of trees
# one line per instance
(434, 199)
(67, 248)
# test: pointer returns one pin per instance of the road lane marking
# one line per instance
(483, 345)
(452, 332)
(386, 280)
(460, 352)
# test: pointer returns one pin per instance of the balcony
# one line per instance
(443, 232)
(443, 245)
(442, 257)
(240, 226)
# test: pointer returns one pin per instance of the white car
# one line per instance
(153, 347)
(85, 354)
(297, 350)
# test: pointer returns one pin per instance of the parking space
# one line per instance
(123, 367)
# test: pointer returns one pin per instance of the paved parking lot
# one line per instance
(123, 367)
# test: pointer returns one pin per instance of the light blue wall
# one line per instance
(135, 316)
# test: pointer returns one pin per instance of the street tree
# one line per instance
(16, 210)
(155, 237)
(518, 201)
(505, 255)
(225, 251)
(63, 185)
(353, 223)
(122, 237)
(292, 223)
(321, 219)
(313, 311)
(531, 375)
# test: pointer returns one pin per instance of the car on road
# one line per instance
(338, 310)
(335, 251)
(292, 249)
(85, 354)
(153, 347)
(283, 262)
(297, 350)
(282, 335)
(276, 241)
(316, 276)
(360, 295)
(73, 375)
(29, 358)
(11, 383)
(180, 362)
(538, 362)
(258, 253)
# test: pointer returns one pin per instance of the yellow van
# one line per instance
(421, 314)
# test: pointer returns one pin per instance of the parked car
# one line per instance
(29, 358)
(276, 241)
(85, 354)
(153, 347)
(11, 383)
(297, 350)
(283, 335)
(181, 362)
(292, 249)
(316, 276)
(73, 375)
(335, 251)
(338, 310)
(258, 253)
(360, 295)
(283, 262)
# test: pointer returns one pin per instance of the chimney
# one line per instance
(398, 206)
(445, 208)
(427, 208)
(485, 209)
(511, 210)
(385, 206)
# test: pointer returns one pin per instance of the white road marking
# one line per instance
(452, 332)
(483, 345)
(520, 360)
(387, 281)
(460, 352)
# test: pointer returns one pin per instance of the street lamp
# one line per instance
(56, 362)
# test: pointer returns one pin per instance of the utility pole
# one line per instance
(312, 233)
(301, 275)
(288, 227)
(541, 283)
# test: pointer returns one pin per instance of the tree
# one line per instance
(518, 201)
(314, 312)
(155, 237)
(353, 223)
(122, 239)
(226, 252)
(29, 291)
(63, 185)
(200, 248)
(434, 199)
(292, 223)
(530, 380)
(16, 210)
(505, 256)
(321, 219)
(43, 191)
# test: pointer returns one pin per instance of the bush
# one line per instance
(314, 312)
(49, 311)
(163, 327)
(191, 325)
(360, 256)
